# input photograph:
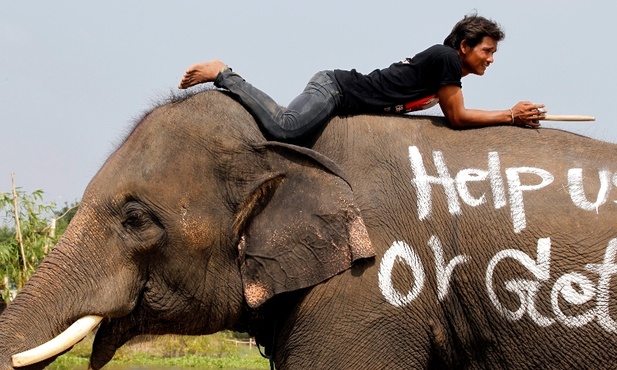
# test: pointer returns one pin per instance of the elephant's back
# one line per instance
(360, 144)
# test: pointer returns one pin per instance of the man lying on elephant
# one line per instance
(417, 83)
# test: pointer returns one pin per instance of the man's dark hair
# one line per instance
(473, 28)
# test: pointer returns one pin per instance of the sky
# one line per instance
(75, 74)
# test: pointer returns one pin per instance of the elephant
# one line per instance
(379, 242)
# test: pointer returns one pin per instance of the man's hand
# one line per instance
(526, 113)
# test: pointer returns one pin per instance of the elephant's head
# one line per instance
(193, 221)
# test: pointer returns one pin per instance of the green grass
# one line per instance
(217, 351)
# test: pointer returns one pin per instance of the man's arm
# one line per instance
(453, 107)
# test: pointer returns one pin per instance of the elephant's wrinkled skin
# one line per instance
(196, 224)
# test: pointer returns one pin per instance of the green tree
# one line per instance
(29, 230)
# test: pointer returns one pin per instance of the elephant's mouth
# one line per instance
(65, 340)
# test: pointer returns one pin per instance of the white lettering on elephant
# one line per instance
(443, 271)
(473, 174)
(456, 188)
(402, 252)
(423, 182)
(515, 189)
(601, 312)
(499, 194)
(577, 192)
(576, 298)
(525, 289)
(573, 289)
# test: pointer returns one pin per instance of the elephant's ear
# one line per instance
(299, 226)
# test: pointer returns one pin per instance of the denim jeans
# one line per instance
(306, 113)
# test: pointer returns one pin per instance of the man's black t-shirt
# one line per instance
(405, 86)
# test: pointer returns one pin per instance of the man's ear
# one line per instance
(464, 47)
(298, 226)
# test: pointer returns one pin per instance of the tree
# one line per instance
(30, 230)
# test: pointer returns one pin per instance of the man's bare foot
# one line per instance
(201, 73)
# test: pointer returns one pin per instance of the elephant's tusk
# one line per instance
(62, 342)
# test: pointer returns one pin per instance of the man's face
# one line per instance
(476, 59)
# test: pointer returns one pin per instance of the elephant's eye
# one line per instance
(135, 217)
(141, 228)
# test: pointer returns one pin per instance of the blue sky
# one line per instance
(74, 74)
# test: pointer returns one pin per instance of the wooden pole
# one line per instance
(566, 117)
(18, 235)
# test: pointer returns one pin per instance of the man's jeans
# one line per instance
(306, 113)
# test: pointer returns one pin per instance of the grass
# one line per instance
(216, 351)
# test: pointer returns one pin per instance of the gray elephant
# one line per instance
(392, 243)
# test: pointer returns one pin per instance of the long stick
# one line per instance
(18, 225)
(562, 117)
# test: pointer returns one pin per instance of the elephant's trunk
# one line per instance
(31, 319)
(26, 324)
(53, 299)
(59, 344)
